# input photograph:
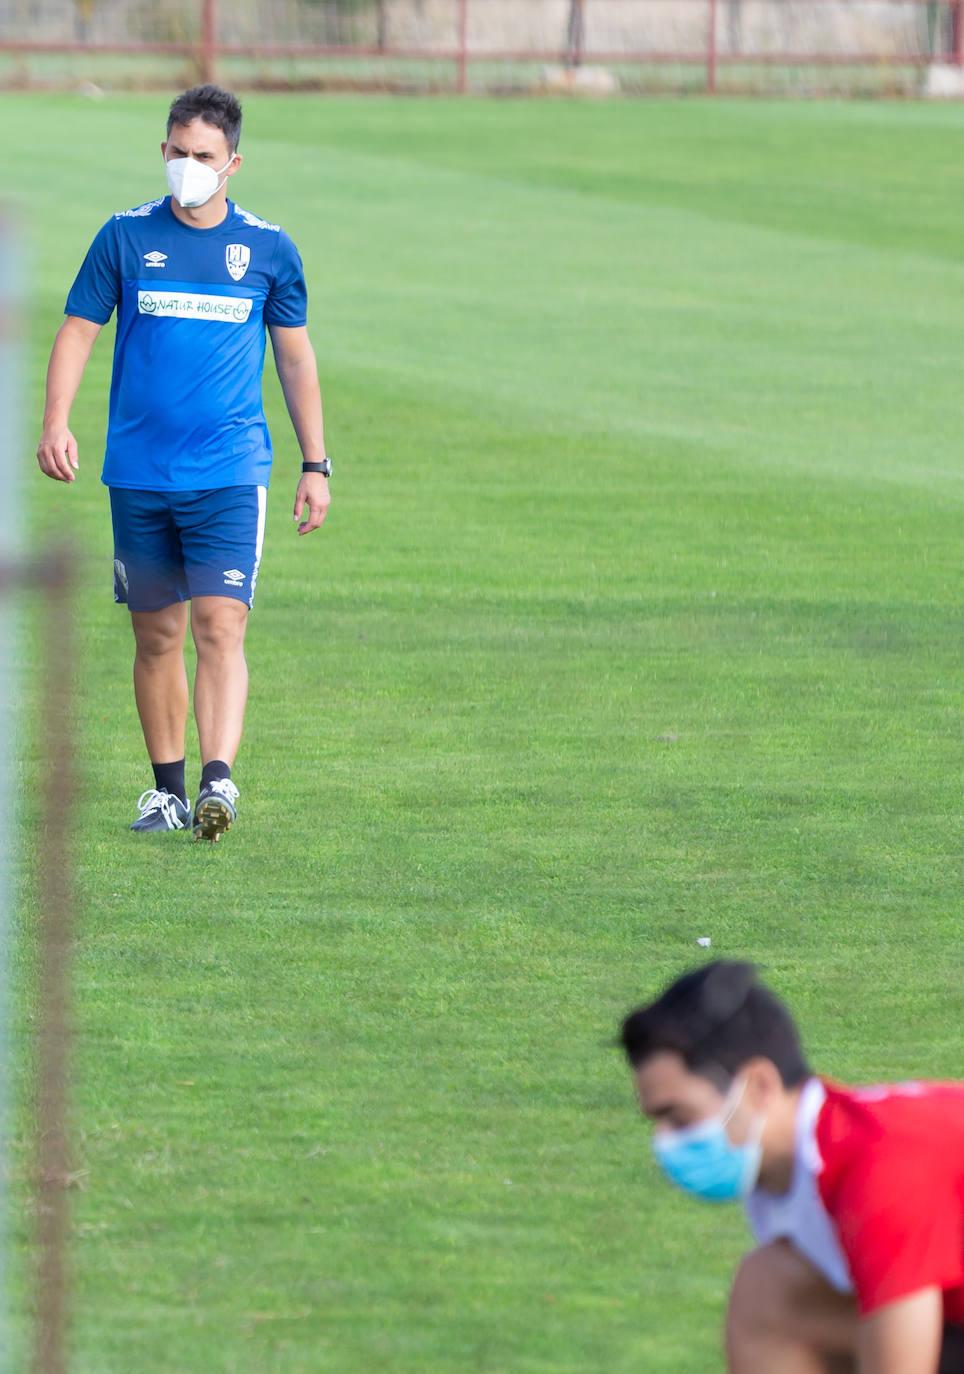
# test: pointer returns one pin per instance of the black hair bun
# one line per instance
(726, 987)
(714, 994)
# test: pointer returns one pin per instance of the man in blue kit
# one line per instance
(194, 280)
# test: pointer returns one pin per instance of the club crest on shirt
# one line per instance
(237, 256)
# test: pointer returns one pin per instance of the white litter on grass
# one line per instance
(704, 942)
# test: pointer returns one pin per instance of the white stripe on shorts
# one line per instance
(259, 541)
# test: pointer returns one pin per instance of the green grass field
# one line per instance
(637, 619)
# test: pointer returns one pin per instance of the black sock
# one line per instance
(169, 777)
(213, 772)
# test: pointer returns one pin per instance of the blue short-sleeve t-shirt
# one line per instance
(186, 411)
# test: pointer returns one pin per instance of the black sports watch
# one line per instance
(323, 467)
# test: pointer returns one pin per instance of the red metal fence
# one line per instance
(468, 39)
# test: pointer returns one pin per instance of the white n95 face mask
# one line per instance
(192, 184)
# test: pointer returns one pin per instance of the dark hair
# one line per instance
(716, 1018)
(215, 106)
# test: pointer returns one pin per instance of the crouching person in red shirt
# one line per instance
(855, 1195)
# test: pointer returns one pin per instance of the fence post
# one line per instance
(463, 47)
(209, 39)
(711, 50)
(575, 35)
(56, 903)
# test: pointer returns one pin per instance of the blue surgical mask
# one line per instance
(702, 1159)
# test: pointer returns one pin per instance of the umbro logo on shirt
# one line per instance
(233, 577)
(155, 259)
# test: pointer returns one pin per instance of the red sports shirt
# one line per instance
(877, 1198)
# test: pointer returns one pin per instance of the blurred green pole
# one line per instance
(11, 288)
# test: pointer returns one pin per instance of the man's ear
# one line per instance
(763, 1082)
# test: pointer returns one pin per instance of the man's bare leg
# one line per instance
(220, 694)
(218, 624)
(160, 680)
(784, 1316)
(160, 690)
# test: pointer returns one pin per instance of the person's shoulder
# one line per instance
(149, 208)
(253, 226)
(892, 1184)
(909, 1100)
(252, 221)
(125, 225)
(889, 1124)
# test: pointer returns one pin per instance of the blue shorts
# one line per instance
(172, 545)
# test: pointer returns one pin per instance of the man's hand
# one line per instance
(295, 360)
(904, 1337)
(57, 453)
(312, 492)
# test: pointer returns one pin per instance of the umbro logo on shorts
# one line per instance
(155, 259)
(233, 577)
